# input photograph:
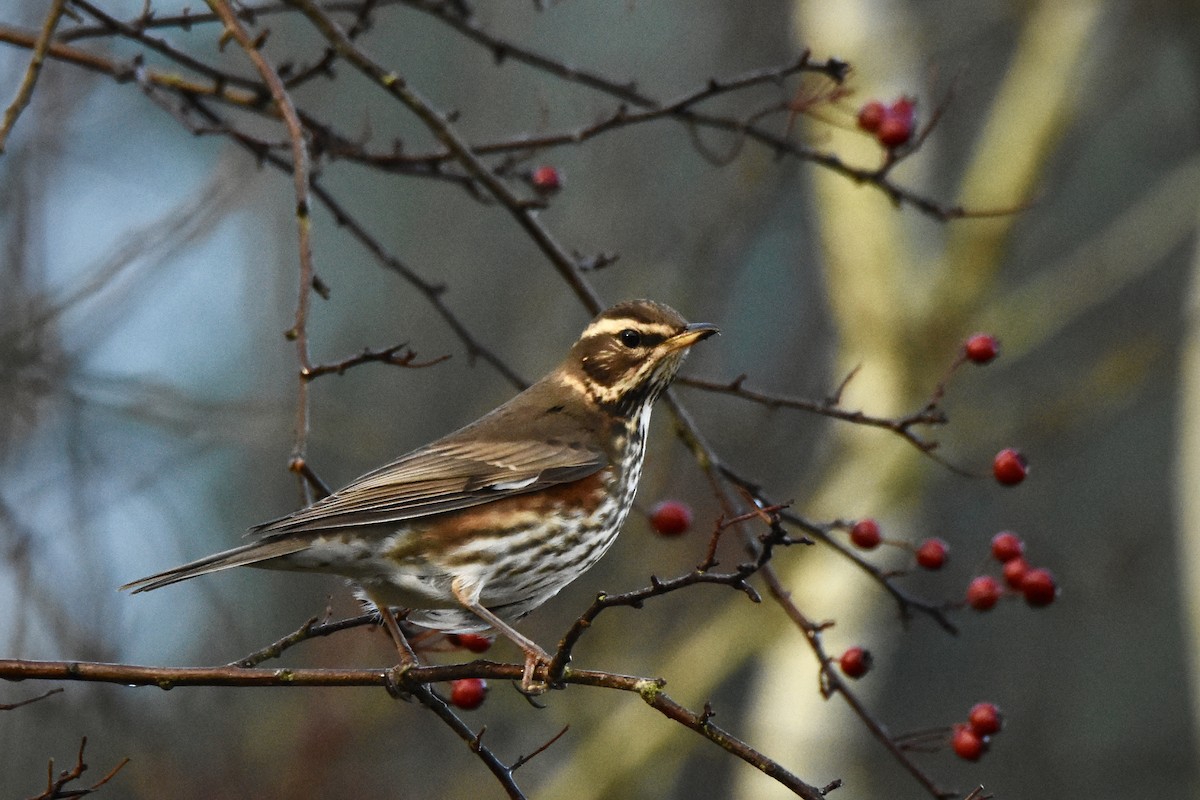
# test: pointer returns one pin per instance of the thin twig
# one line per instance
(832, 683)
(28, 701)
(523, 760)
(437, 123)
(388, 355)
(25, 91)
(300, 173)
(474, 741)
(736, 579)
(928, 415)
(412, 680)
(56, 787)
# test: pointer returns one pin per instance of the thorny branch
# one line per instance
(56, 787)
(523, 211)
(833, 683)
(721, 477)
(928, 415)
(736, 579)
(188, 98)
(414, 681)
(397, 355)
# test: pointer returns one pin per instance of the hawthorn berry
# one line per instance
(546, 179)
(905, 108)
(468, 693)
(1039, 587)
(1010, 466)
(967, 744)
(983, 593)
(871, 115)
(865, 534)
(932, 553)
(1006, 546)
(855, 662)
(985, 719)
(894, 131)
(981, 348)
(671, 518)
(1014, 571)
(470, 641)
(898, 124)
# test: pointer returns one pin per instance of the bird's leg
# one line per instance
(408, 659)
(534, 654)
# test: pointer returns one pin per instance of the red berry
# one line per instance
(1006, 546)
(894, 131)
(855, 662)
(983, 593)
(471, 641)
(870, 115)
(932, 553)
(671, 518)
(1010, 467)
(985, 719)
(865, 534)
(904, 108)
(1014, 572)
(967, 744)
(546, 179)
(468, 693)
(982, 348)
(1039, 587)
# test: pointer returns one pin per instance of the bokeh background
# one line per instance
(147, 395)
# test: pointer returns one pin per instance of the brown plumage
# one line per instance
(480, 527)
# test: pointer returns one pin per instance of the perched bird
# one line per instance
(475, 530)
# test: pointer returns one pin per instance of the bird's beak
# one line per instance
(691, 334)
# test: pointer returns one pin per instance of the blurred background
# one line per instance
(147, 393)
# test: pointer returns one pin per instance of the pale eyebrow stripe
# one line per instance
(606, 327)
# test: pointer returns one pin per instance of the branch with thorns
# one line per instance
(399, 355)
(415, 682)
(463, 162)
(56, 786)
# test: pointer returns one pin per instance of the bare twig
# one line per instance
(832, 683)
(123, 72)
(736, 579)
(25, 91)
(411, 680)
(437, 123)
(523, 760)
(928, 415)
(502, 772)
(56, 786)
(397, 355)
(28, 701)
(300, 174)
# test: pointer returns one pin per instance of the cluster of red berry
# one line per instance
(931, 553)
(970, 739)
(1035, 584)
(892, 125)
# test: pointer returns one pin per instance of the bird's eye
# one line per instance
(630, 338)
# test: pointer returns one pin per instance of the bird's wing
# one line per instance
(443, 476)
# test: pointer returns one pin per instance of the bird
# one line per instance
(473, 531)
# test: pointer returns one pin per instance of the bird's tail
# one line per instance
(247, 554)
